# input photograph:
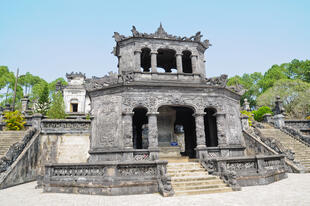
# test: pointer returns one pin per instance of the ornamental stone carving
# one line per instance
(136, 171)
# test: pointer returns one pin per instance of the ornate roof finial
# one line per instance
(161, 33)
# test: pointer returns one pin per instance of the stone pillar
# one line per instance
(127, 127)
(244, 122)
(36, 120)
(153, 131)
(221, 129)
(200, 130)
(24, 101)
(179, 63)
(194, 63)
(154, 61)
(138, 59)
(279, 120)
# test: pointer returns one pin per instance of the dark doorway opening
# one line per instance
(146, 59)
(177, 122)
(139, 124)
(187, 62)
(166, 59)
(74, 107)
(210, 127)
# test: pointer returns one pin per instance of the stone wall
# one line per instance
(248, 171)
(298, 124)
(128, 178)
(24, 166)
(63, 141)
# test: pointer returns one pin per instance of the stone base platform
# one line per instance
(108, 178)
(169, 151)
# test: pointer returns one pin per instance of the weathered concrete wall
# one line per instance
(62, 148)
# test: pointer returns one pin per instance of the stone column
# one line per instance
(127, 128)
(36, 120)
(200, 130)
(221, 129)
(153, 131)
(138, 59)
(24, 101)
(194, 63)
(244, 122)
(179, 63)
(154, 61)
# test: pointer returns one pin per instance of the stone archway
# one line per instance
(176, 131)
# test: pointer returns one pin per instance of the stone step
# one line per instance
(188, 174)
(203, 191)
(199, 182)
(198, 187)
(192, 178)
(171, 171)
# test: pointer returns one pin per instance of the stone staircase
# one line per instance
(7, 138)
(302, 151)
(190, 178)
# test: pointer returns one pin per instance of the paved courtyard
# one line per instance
(295, 190)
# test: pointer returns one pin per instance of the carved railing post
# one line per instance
(36, 120)
(127, 127)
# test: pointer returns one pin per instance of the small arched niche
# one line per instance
(145, 59)
(166, 59)
(187, 62)
(210, 127)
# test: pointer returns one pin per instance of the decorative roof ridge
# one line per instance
(160, 33)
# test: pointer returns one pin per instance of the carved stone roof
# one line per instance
(74, 74)
(160, 33)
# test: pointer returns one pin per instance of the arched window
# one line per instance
(146, 59)
(210, 127)
(166, 59)
(140, 128)
(187, 62)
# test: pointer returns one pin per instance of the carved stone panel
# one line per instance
(107, 124)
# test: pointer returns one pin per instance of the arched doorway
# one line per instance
(210, 127)
(139, 128)
(176, 130)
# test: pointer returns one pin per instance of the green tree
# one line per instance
(249, 82)
(299, 70)
(273, 74)
(7, 80)
(259, 114)
(43, 103)
(52, 85)
(27, 81)
(294, 93)
(57, 110)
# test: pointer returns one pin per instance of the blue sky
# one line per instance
(51, 37)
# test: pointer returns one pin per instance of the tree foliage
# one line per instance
(14, 120)
(43, 103)
(57, 110)
(259, 114)
(294, 93)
